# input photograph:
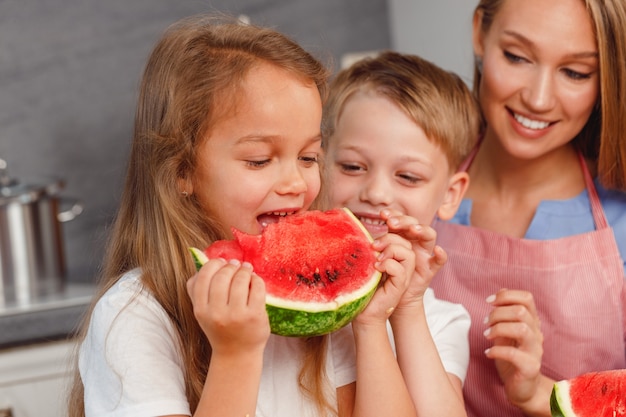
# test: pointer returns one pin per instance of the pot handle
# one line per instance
(72, 212)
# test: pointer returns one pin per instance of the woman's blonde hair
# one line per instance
(602, 138)
(191, 76)
(436, 100)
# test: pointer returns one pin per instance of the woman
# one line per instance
(536, 249)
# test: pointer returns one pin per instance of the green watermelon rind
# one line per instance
(199, 257)
(299, 323)
(307, 319)
(560, 404)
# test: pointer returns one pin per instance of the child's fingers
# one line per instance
(422, 236)
(395, 275)
(240, 286)
(198, 285)
(397, 221)
(257, 291)
(388, 239)
(219, 290)
(399, 255)
(439, 258)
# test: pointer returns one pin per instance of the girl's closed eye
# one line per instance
(257, 163)
(310, 159)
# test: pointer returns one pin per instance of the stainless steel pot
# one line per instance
(32, 261)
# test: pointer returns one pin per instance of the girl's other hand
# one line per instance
(229, 303)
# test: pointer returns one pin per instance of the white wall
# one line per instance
(437, 30)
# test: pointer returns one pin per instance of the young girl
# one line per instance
(396, 128)
(227, 134)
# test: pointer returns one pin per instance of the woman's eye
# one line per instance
(575, 75)
(513, 58)
(258, 164)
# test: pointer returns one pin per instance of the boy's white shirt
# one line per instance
(131, 365)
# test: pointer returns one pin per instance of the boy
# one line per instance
(395, 130)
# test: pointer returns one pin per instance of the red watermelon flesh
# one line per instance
(597, 394)
(318, 269)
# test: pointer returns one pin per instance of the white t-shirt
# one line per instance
(130, 363)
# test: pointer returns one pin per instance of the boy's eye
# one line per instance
(350, 168)
(409, 178)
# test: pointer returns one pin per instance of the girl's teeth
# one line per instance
(530, 124)
(281, 213)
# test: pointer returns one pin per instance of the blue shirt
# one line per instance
(560, 218)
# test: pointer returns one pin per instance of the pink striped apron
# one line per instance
(578, 287)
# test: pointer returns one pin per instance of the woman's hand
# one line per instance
(514, 327)
(229, 303)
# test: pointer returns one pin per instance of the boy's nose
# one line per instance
(377, 191)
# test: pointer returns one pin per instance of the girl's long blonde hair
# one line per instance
(193, 72)
(603, 137)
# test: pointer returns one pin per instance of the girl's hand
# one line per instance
(229, 303)
(515, 329)
(429, 258)
(397, 263)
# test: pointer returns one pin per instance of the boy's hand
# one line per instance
(229, 303)
(429, 258)
(397, 263)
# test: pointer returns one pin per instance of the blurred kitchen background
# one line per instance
(69, 72)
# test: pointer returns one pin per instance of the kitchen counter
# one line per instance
(46, 318)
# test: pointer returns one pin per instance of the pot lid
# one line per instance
(12, 190)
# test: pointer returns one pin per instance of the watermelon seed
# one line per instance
(331, 276)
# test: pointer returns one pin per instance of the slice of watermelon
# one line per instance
(595, 394)
(318, 269)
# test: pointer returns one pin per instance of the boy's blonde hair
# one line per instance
(436, 100)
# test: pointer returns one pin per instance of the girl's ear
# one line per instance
(477, 34)
(185, 186)
(457, 186)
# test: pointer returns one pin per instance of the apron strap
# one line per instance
(596, 207)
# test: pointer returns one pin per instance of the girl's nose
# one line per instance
(539, 95)
(291, 181)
